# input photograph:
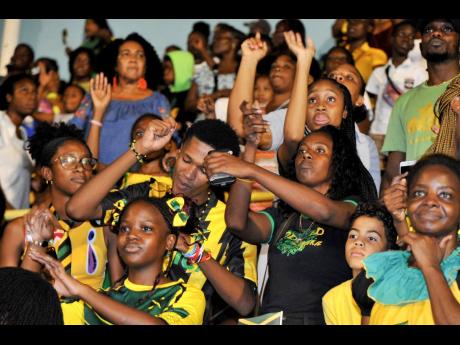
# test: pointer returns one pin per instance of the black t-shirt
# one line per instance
(303, 266)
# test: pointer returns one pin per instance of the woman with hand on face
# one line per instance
(83, 247)
(138, 72)
(308, 227)
(147, 233)
(419, 286)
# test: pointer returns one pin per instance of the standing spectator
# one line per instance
(398, 76)
(137, 74)
(410, 129)
(82, 64)
(22, 59)
(366, 58)
(18, 100)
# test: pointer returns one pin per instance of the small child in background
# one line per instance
(263, 91)
(371, 231)
(71, 99)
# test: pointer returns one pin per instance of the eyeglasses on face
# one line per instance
(70, 162)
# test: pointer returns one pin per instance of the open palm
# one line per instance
(101, 91)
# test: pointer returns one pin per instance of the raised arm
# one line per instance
(86, 202)
(250, 226)
(101, 94)
(395, 200)
(319, 207)
(294, 122)
(253, 50)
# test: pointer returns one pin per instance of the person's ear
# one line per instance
(345, 114)
(170, 242)
(47, 173)
(9, 98)
(359, 101)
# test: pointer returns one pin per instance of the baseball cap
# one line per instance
(260, 25)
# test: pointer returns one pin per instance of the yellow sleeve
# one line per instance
(73, 313)
(188, 310)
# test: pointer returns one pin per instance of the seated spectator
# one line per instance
(147, 233)
(371, 231)
(27, 299)
(71, 99)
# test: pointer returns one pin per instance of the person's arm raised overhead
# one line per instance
(250, 226)
(101, 95)
(86, 202)
(294, 123)
(253, 50)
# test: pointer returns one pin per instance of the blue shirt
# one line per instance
(118, 121)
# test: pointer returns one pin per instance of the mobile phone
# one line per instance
(221, 179)
(405, 166)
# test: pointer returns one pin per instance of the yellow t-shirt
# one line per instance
(339, 306)
(176, 303)
(367, 58)
(418, 313)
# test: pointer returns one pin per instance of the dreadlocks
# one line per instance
(446, 140)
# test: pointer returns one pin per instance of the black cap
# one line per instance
(422, 23)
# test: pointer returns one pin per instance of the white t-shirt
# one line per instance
(405, 77)
(367, 150)
(15, 164)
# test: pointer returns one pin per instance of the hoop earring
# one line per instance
(142, 84)
(49, 182)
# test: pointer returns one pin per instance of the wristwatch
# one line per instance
(43, 244)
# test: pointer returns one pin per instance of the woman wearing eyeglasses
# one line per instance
(83, 248)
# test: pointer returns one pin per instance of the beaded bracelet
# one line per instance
(139, 156)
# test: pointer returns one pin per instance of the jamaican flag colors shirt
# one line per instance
(305, 263)
(340, 307)
(82, 250)
(176, 303)
(235, 255)
(131, 178)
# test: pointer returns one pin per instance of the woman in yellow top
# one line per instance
(147, 234)
(419, 286)
(371, 231)
(83, 248)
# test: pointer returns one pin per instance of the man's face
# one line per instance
(24, 99)
(189, 177)
(440, 41)
(403, 39)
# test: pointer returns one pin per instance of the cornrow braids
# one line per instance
(28, 299)
(445, 142)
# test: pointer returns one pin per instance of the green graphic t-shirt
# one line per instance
(412, 119)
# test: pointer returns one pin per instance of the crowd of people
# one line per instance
(239, 177)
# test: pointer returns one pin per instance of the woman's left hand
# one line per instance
(428, 252)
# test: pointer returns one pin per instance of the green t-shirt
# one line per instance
(411, 121)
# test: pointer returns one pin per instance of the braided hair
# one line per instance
(48, 138)
(28, 299)
(445, 142)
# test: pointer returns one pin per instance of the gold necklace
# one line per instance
(300, 225)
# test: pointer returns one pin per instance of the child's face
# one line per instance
(349, 76)
(71, 99)
(433, 201)
(143, 236)
(366, 236)
(325, 105)
(263, 91)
